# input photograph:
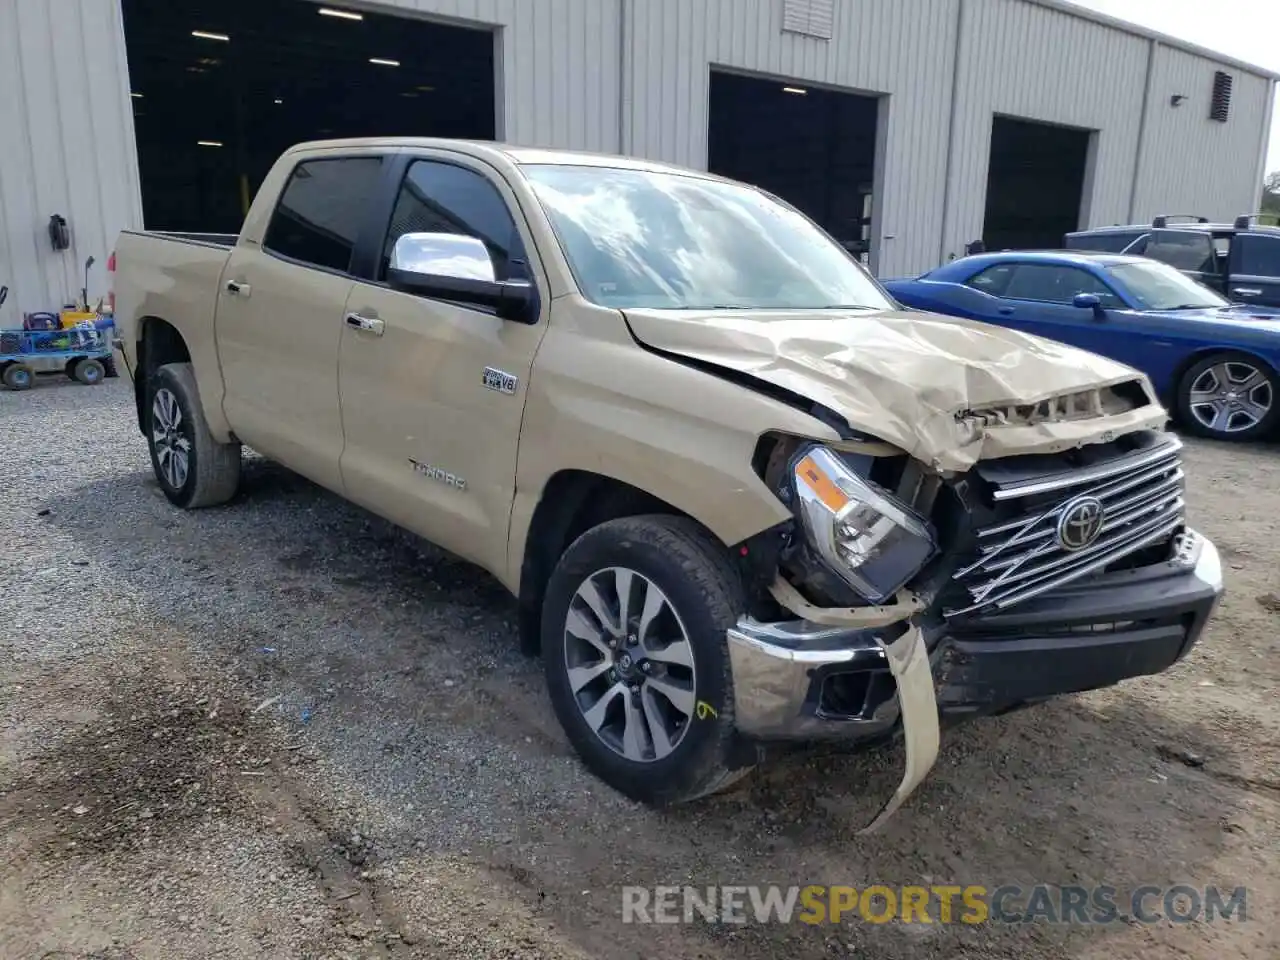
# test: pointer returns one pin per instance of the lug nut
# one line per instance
(635, 688)
(646, 667)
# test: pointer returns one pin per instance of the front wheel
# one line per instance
(636, 659)
(1229, 396)
(193, 468)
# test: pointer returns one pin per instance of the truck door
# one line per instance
(433, 391)
(1255, 269)
(279, 316)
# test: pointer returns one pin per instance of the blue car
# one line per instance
(1213, 363)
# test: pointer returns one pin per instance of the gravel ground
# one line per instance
(283, 728)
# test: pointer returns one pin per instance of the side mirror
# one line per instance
(449, 266)
(1089, 301)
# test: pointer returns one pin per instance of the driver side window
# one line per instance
(438, 197)
(1043, 283)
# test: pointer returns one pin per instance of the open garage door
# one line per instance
(1035, 184)
(813, 147)
(222, 87)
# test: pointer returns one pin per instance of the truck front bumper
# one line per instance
(801, 681)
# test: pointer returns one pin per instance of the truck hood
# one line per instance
(949, 392)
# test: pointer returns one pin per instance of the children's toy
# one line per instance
(43, 345)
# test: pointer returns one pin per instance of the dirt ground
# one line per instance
(284, 729)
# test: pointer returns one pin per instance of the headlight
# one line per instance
(872, 540)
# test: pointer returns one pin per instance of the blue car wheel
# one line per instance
(1229, 396)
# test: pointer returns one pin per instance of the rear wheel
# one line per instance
(89, 372)
(18, 376)
(193, 468)
(636, 660)
(1229, 396)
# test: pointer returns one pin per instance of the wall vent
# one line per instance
(1220, 106)
(813, 18)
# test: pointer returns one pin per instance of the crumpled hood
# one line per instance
(940, 388)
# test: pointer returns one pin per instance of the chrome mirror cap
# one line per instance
(443, 255)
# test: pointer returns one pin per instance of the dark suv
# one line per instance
(1240, 260)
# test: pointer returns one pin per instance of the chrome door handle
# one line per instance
(1247, 292)
(237, 289)
(368, 324)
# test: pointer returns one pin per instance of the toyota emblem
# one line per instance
(1080, 523)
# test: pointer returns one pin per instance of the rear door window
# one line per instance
(1183, 249)
(1257, 256)
(322, 210)
(993, 280)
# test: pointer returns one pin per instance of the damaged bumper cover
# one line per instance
(802, 680)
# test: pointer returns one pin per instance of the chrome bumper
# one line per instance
(778, 668)
(774, 668)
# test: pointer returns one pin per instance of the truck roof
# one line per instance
(513, 153)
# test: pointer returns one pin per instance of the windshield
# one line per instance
(1157, 286)
(635, 238)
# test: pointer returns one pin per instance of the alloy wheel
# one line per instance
(169, 435)
(1230, 397)
(630, 664)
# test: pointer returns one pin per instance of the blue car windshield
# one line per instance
(1158, 286)
(638, 238)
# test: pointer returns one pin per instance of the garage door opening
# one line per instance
(221, 87)
(814, 148)
(1035, 184)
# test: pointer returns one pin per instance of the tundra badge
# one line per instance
(435, 473)
(500, 380)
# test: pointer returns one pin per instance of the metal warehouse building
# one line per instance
(908, 128)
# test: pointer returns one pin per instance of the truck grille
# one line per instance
(1074, 524)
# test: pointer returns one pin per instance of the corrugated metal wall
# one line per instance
(894, 47)
(66, 147)
(1191, 164)
(1035, 63)
(567, 80)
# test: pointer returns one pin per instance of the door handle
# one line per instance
(1006, 311)
(368, 324)
(238, 289)
(1247, 292)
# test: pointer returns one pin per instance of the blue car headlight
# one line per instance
(872, 540)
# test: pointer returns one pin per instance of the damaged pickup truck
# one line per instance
(740, 496)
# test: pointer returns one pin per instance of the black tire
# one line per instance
(212, 473)
(18, 376)
(1236, 363)
(695, 573)
(90, 372)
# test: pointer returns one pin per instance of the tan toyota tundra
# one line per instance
(741, 496)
